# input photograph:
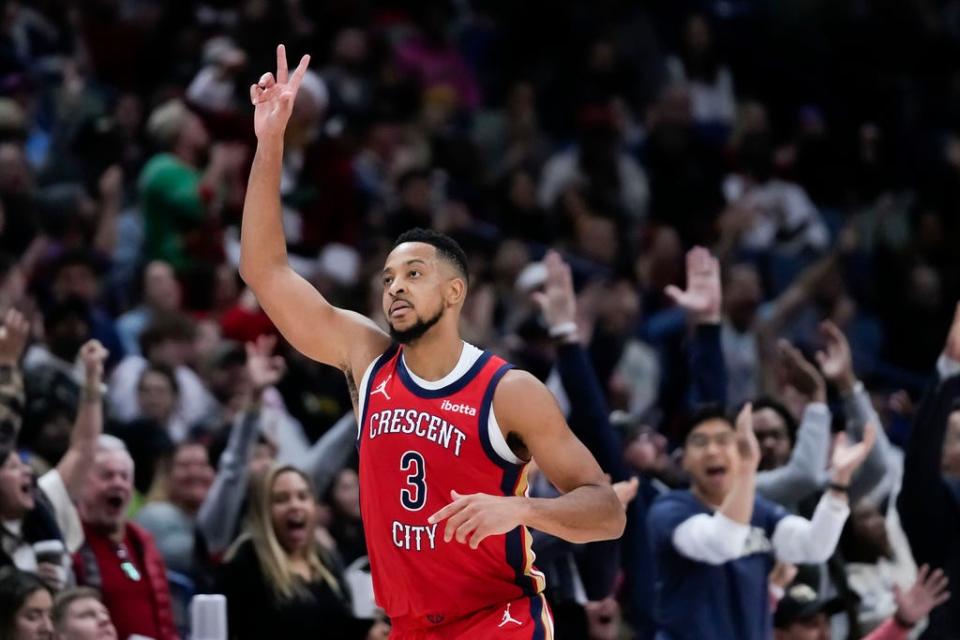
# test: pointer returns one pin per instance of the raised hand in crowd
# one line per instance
(263, 368)
(93, 355)
(557, 301)
(748, 447)
(14, 335)
(703, 296)
(800, 375)
(834, 359)
(927, 593)
(847, 458)
(88, 425)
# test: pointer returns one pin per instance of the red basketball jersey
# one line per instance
(416, 445)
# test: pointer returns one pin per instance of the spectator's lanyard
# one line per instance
(126, 563)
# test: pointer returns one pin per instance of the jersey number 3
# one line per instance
(414, 495)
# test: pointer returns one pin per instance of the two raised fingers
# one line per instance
(267, 80)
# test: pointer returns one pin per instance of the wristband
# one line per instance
(93, 392)
(841, 488)
(563, 330)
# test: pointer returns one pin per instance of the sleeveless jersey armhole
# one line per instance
(498, 442)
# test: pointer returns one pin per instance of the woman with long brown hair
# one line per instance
(278, 581)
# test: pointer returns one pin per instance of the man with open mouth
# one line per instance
(119, 558)
(716, 543)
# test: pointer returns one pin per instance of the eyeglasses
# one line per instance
(701, 441)
(126, 563)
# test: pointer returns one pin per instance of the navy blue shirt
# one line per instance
(701, 601)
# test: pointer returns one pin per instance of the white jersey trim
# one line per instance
(498, 442)
(468, 357)
(362, 394)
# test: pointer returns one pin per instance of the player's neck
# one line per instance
(434, 355)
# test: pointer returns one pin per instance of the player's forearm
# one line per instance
(586, 514)
(262, 242)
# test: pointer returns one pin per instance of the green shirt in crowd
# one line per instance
(171, 205)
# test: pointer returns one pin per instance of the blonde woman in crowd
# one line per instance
(278, 581)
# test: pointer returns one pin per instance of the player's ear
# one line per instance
(456, 291)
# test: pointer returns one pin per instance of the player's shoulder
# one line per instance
(520, 392)
(518, 381)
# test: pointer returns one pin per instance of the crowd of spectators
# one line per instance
(754, 203)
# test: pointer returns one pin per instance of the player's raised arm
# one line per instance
(333, 336)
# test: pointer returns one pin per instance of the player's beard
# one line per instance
(417, 331)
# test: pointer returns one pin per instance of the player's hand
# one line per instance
(474, 517)
(626, 490)
(703, 295)
(273, 97)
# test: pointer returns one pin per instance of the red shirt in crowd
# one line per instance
(131, 602)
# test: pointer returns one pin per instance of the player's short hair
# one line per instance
(447, 248)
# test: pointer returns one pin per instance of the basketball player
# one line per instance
(445, 431)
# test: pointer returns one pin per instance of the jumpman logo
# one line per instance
(508, 618)
(382, 388)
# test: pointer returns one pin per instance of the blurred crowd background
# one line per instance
(814, 147)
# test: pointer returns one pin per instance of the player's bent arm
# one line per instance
(589, 509)
(333, 336)
(314, 327)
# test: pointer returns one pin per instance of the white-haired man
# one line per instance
(119, 558)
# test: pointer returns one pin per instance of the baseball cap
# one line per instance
(800, 602)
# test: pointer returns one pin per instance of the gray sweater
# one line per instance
(806, 471)
(219, 516)
(808, 468)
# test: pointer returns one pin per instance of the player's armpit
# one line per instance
(589, 509)
(339, 338)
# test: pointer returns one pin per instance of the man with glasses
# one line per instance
(715, 543)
